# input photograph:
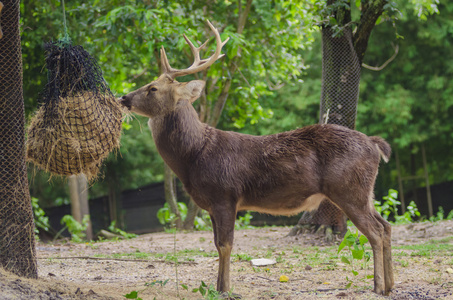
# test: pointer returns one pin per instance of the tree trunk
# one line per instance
(78, 190)
(341, 63)
(17, 240)
(170, 195)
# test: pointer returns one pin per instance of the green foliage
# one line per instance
(133, 295)
(450, 215)
(203, 221)
(40, 218)
(75, 228)
(356, 246)
(157, 282)
(166, 217)
(390, 208)
(243, 222)
(208, 292)
(440, 215)
(114, 229)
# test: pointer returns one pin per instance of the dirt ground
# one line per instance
(112, 269)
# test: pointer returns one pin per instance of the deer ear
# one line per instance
(192, 90)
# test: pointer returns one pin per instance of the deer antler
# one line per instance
(198, 64)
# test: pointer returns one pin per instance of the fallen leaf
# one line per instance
(284, 278)
(450, 270)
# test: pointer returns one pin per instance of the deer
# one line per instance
(225, 172)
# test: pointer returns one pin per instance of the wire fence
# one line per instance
(339, 96)
(17, 241)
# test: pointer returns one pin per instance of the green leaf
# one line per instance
(348, 285)
(355, 272)
(341, 246)
(363, 240)
(185, 287)
(357, 254)
(345, 260)
(369, 276)
(202, 290)
(132, 295)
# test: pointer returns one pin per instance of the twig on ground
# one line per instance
(120, 259)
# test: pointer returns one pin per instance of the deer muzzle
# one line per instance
(126, 101)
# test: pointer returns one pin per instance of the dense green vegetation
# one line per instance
(409, 102)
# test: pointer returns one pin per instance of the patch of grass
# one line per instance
(428, 249)
(133, 255)
(425, 253)
(404, 263)
(197, 252)
(242, 257)
(445, 240)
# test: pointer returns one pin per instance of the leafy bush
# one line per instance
(123, 233)
(356, 246)
(243, 222)
(40, 218)
(75, 228)
(390, 207)
(166, 217)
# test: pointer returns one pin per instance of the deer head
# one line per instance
(163, 95)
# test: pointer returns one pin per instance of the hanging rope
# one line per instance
(65, 40)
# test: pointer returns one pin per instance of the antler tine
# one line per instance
(165, 65)
(198, 64)
(195, 50)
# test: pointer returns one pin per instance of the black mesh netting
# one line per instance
(339, 96)
(17, 248)
(79, 121)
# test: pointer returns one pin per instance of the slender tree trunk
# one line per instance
(17, 240)
(78, 190)
(170, 195)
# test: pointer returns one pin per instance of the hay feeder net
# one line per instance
(79, 121)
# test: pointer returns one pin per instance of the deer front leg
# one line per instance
(223, 227)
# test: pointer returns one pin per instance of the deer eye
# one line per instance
(153, 89)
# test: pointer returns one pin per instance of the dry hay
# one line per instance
(76, 134)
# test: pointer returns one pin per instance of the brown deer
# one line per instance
(284, 173)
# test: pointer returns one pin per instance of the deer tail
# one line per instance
(383, 147)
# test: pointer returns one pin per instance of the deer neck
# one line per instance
(179, 137)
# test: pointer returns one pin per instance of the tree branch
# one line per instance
(371, 11)
(396, 48)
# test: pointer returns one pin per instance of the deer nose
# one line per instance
(126, 101)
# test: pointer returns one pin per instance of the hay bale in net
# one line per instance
(79, 121)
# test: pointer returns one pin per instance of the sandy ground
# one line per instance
(112, 269)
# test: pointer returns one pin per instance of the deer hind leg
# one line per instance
(387, 248)
(223, 227)
(369, 222)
